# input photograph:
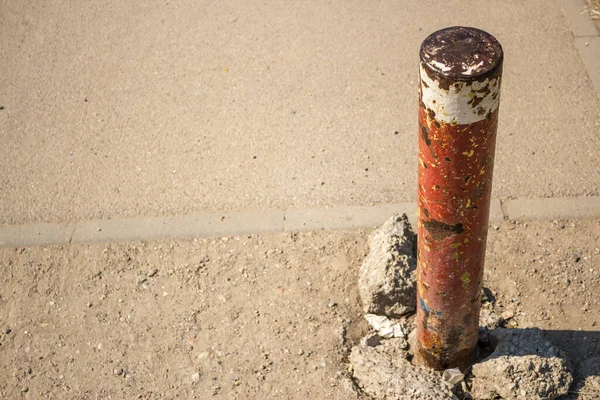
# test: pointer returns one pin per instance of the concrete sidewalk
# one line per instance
(139, 109)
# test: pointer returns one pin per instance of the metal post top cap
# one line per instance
(461, 53)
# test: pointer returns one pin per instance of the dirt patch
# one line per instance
(255, 317)
(245, 317)
(545, 275)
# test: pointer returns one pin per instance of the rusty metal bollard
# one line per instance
(459, 95)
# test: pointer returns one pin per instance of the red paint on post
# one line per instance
(458, 115)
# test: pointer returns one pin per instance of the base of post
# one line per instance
(461, 360)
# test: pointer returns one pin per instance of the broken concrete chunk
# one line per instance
(383, 372)
(489, 319)
(589, 376)
(453, 376)
(523, 366)
(387, 277)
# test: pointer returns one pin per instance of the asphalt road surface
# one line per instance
(142, 108)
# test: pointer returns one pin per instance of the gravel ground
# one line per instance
(254, 317)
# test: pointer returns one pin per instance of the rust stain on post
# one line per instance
(459, 93)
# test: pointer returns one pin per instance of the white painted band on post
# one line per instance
(462, 103)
